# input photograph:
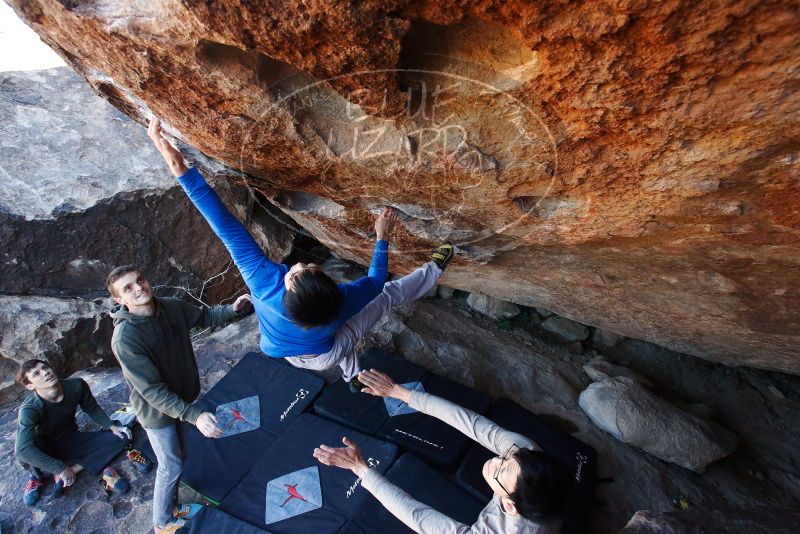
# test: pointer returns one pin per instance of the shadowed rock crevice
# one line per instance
(475, 49)
(310, 204)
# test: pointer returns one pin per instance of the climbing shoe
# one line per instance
(32, 490)
(186, 510)
(443, 255)
(170, 527)
(57, 491)
(113, 482)
(142, 464)
(355, 385)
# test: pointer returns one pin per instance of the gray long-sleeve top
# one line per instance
(424, 519)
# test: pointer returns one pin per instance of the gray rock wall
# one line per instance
(82, 190)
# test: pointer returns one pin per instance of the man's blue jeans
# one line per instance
(167, 447)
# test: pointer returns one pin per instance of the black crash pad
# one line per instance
(361, 411)
(289, 491)
(425, 485)
(212, 467)
(429, 438)
(432, 440)
(211, 520)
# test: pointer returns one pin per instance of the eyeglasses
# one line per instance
(503, 459)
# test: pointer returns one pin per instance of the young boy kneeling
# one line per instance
(48, 438)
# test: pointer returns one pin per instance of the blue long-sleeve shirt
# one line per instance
(280, 337)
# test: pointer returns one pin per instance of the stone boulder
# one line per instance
(567, 329)
(632, 166)
(495, 308)
(603, 339)
(632, 414)
(599, 368)
(704, 520)
(445, 292)
(70, 333)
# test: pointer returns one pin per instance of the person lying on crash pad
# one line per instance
(529, 486)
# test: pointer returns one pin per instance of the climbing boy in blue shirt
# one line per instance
(303, 315)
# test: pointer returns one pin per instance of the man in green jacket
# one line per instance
(48, 438)
(153, 346)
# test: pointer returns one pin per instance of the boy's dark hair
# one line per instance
(314, 299)
(542, 486)
(25, 368)
(118, 273)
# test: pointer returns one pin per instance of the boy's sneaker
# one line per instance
(186, 510)
(57, 491)
(170, 527)
(113, 482)
(32, 491)
(142, 464)
(443, 255)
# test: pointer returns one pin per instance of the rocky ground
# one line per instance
(756, 487)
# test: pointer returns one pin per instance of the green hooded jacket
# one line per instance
(157, 359)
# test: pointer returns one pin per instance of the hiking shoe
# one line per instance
(113, 482)
(57, 491)
(186, 510)
(170, 527)
(142, 464)
(443, 255)
(32, 490)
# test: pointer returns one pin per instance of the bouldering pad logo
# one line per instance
(239, 416)
(397, 407)
(293, 494)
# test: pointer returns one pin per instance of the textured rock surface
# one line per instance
(626, 410)
(70, 333)
(752, 520)
(642, 156)
(567, 329)
(83, 191)
(599, 368)
(492, 307)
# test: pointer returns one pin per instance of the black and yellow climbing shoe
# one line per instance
(443, 255)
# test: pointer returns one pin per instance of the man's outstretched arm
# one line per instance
(417, 516)
(214, 316)
(260, 274)
(473, 425)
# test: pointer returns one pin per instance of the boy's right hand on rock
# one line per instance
(207, 425)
